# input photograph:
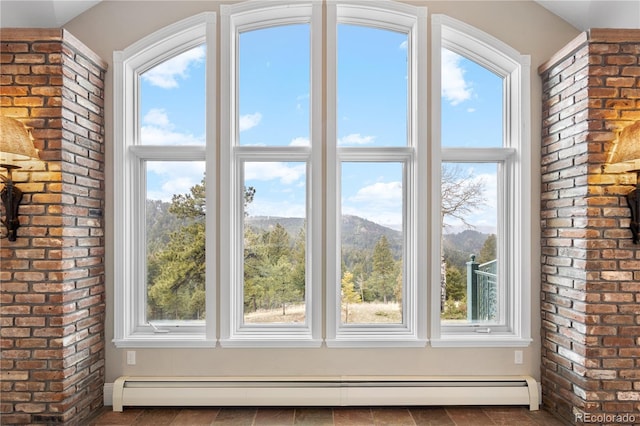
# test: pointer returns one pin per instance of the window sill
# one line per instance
(372, 342)
(475, 341)
(270, 343)
(165, 341)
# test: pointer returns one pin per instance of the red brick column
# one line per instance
(52, 277)
(591, 268)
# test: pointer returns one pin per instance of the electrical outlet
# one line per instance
(518, 357)
(131, 357)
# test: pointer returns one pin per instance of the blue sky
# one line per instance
(274, 110)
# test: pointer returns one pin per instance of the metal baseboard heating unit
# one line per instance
(325, 391)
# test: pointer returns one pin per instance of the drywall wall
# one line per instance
(526, 26)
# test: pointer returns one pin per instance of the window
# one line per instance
(271, 133)
(306, 195)
(482, 190)
(164, 159)
(375, 285)
(274, 67)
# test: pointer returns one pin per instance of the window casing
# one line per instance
(511, 158)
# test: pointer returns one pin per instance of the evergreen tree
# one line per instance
(176, 265)
(277, 243)
(253, 259)
(179, 275)
(299, 260)
(383, 276)
(488, 252)
(456, 284)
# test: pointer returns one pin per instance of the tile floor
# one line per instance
(313, 416)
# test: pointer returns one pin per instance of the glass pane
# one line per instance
(472, 103)
(372, 243)
(175, 239)
(372, 87)
(469, 271)
(172, 101)
(274, 86)
(274, 242)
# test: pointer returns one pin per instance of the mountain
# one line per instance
(357, 233)
(267, 223)
(459, 247)
(469, 241)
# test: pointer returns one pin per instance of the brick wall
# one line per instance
(591, 269)
(52, 277)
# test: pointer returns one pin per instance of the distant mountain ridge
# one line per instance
(357, 233)
(362, 234)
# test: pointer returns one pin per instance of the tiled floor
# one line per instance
(313, 416)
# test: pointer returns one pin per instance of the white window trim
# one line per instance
(130, 327)
(515, 217)
(243, 17)
(412, 332)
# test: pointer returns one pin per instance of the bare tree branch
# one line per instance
(461, 193)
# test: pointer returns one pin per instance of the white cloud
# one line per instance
(250, 120)
(404, 45)
(380, 194)
(262, 207)
(166, 74)
(157, 129)
(157, 117)
(173, 177)
(355, 139)
(300, 141)
(455, 89)
(380, 202)
(265, 171)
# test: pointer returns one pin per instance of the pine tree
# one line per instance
(488, 252)
(383, 276)
(176, 267)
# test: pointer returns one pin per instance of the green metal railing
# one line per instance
(482, 290)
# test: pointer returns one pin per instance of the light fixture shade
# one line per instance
(627, 149)
(16, 142)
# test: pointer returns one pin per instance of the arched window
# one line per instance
(481, 189)
(164, 156)
(275, 136)
(316, 185)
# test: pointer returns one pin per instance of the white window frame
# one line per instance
(411, 332)
(131, 329)
(323, 157)
(514, 187)
(234, 332)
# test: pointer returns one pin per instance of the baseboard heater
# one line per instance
(324, 391)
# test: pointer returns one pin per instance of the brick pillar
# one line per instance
(591, 269)
(52, 277)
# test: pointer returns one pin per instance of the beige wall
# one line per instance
(526, 26)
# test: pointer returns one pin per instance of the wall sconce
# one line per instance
(16, 143)
(627, 150)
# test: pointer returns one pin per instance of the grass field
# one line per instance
(359, 313)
